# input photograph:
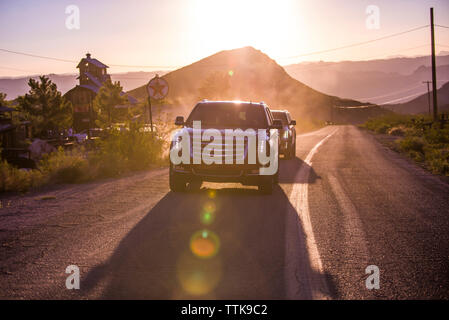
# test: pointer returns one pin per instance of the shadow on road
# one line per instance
(156, 261)
(289, 169)
(257, 251)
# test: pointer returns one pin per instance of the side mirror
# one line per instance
(293, 122)
(277, 124)
(179, 121)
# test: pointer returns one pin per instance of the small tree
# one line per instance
(3, 101)
(45, 107)
(215, 86)
(108, 97)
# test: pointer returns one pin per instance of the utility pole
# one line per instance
(434, 73)
(428, 94)
(332, 114)
(151, 113)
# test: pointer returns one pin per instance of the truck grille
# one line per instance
(213, 171)
(236, 156)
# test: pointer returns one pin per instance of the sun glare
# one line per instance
(232, 24)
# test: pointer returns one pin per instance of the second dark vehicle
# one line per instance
(287, 135)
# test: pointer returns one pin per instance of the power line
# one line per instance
(396, 92)
(403, 98)
(358, 44)
(75, 61)
(389, 94)
(174, 67)
(327, 64)
(16, 69)
(439, 25)
(133, 66)
(37, 56)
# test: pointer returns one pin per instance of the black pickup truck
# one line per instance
(236, 136)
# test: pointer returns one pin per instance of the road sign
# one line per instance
(157, 88)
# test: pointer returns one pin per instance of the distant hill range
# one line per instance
(251, 76)
(307, 89)
(393, 80)
(14, 87)
(421, 105)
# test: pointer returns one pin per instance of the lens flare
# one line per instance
(208, 214)
(204, 244)
(197, 276)
(231, 73)
(211, 194)
(207, 217)
(209, 206)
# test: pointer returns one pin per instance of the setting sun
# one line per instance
(232, 24)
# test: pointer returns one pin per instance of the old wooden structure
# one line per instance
(92, 75)
(12, 138)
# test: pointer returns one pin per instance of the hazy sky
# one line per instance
(178, 32)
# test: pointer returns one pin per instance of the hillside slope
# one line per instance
(376, 81)
(252, 76)
(421, 105)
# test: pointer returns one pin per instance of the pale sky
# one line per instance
(174, 33)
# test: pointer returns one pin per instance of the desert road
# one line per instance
(344, 203)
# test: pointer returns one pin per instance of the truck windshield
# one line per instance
(279, 115)
(235, 115)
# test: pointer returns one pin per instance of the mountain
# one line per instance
(377, 81)
(13, 87)
(252, 76)
(421, 105)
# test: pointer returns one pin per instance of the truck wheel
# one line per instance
(266, 185)
(293, 152)
(276, 176)
(289, 152)
(177, 184)
(195, 185)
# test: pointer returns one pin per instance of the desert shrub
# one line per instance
(436, 135)
(108, 160)
(387, 123)
(65, 166)
(397, 131)
(127, 150)
(134, 148)
(382, 128)
(438, 160)
(414, 144)
(14, 179)
(421, 142)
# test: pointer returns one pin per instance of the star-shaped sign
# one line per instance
(157, 88)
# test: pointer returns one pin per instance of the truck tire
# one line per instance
(177, 183)
(293, 152)
(266, 185)
(195, 185)
(289, 152)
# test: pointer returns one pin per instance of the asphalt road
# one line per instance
(346, 202)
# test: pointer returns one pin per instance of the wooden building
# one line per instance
(13, 137)
(92, 75)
